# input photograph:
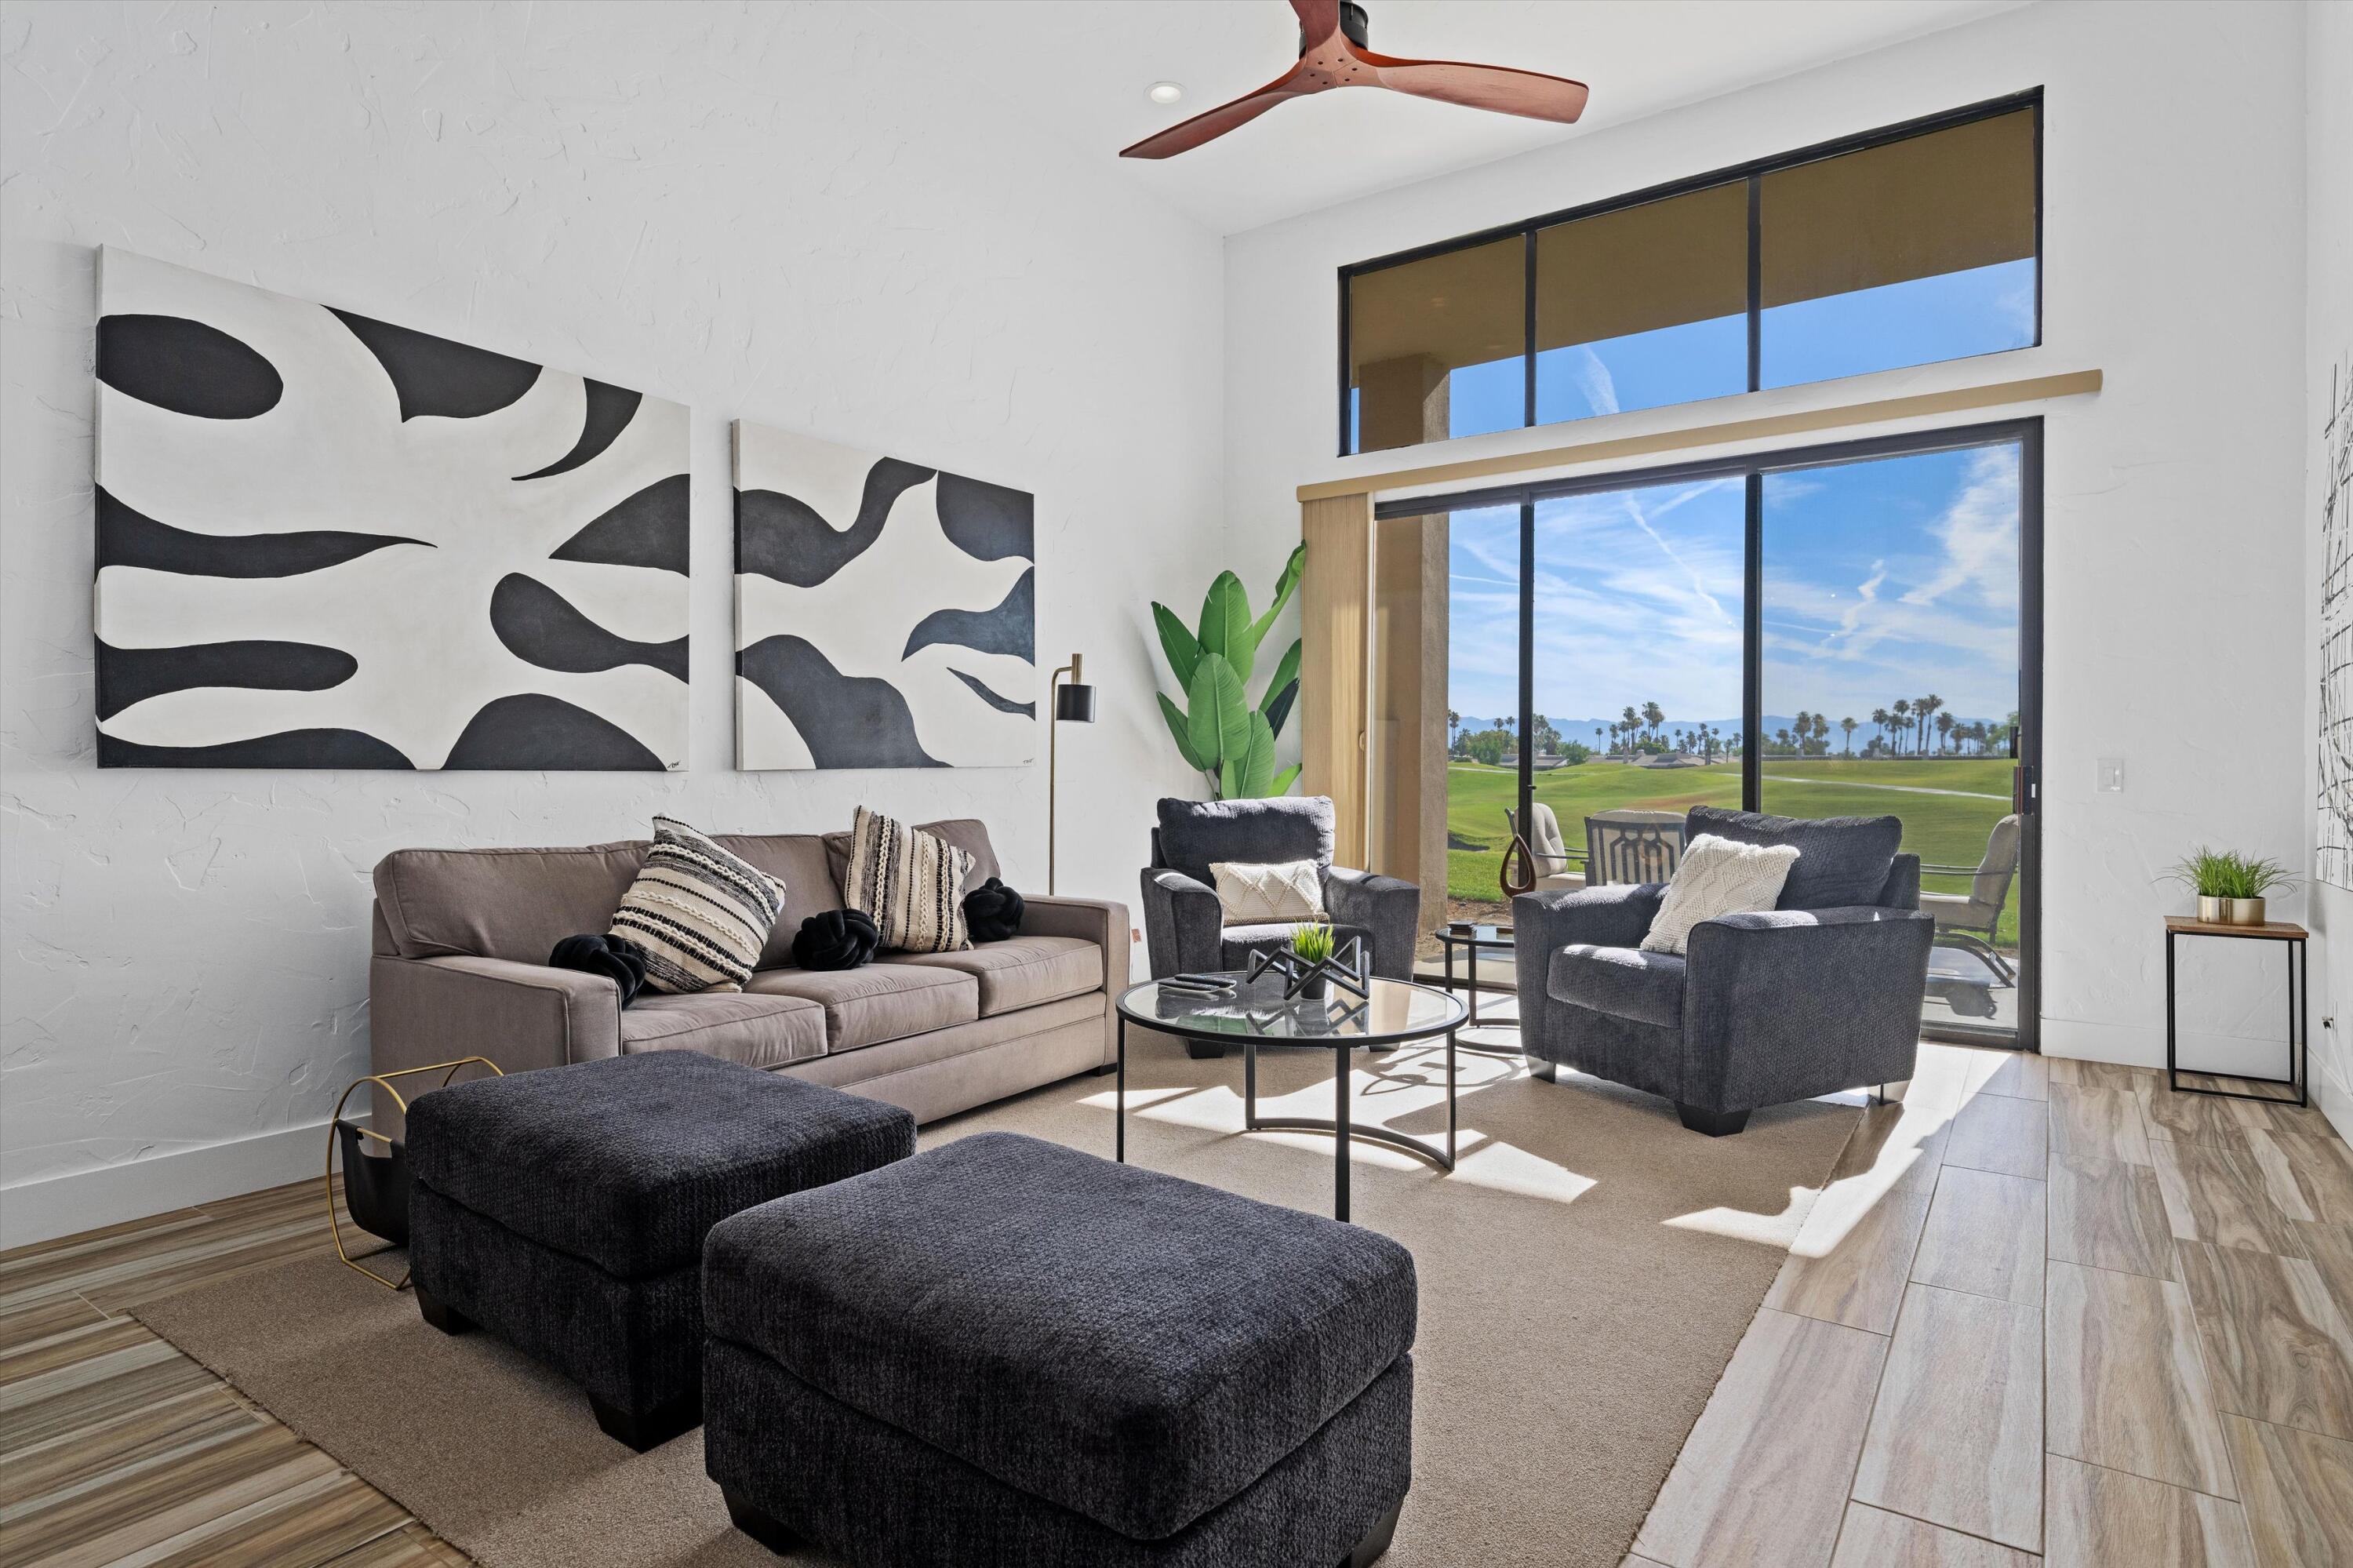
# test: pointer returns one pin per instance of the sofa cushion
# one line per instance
(798, 861)
(1022, 971)
(700, 912)
(1132, 1347)
(1624, 982)
(1192, 834)
(878, 1002)
(1841, 861)
(512, 903)
(735, 1026)
(628, 1161)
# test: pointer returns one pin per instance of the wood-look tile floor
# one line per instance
(2045, 1311)
(2112, 1326)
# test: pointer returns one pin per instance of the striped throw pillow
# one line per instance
(911, 882)
(700, 914)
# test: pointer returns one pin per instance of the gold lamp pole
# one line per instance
(1073, 704)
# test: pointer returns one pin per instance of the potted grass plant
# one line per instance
(1313, 945)
(2230, 886)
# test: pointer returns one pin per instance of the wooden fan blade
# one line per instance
(1318, 19)
(1187, 135)
(1530, 94)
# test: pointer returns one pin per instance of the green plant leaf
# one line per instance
(1284, 780)
(1278, 704)
(1225, 623)
(1255, 774)
(1180, 728)
(1219, 719)
(1284, 585)
(1184, 651)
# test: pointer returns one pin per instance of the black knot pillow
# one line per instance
(617, 958)
(836, 940)
(992, 912)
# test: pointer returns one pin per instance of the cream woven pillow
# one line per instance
(1717, 877)
(910, 882)
(1287, 891)
(700, 914)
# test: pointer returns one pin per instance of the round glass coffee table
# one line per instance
(1255, 1012)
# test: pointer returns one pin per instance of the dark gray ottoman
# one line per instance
(565, 1210)
(1004, 1352)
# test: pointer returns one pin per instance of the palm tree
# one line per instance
(1653, 716)
(1882, 718)
(1943, 732)
(1453, 724)
(1925, 706)
(1632, 721)
(1901, 714)
(1850, 726)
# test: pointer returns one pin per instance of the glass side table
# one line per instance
(1471, 941)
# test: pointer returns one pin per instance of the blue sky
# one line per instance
(1883, 579)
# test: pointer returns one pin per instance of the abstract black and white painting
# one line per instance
(325, 541)
(884, 612)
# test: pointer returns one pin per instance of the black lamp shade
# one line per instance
(1074, 704)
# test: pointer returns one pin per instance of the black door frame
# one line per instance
(1752, 468)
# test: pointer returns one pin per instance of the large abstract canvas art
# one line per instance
(325, 541)
(884, 611)
(2332, 859)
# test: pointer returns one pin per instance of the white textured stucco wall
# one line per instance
(2174, 261)
(2328, 348)
(786, 213)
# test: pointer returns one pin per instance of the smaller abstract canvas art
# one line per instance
(325, 541)
(884, 611)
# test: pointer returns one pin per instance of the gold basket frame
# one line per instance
(448, 1070)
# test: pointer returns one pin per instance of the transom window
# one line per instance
(1905, 246)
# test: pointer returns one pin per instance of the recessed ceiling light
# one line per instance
(1165, 91)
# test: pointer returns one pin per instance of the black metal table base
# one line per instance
(2299, 1033)
(1470, 988)
(1342, 1127)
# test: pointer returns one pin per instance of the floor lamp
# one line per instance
(1074, 703)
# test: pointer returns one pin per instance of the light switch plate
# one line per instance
(2111, 773)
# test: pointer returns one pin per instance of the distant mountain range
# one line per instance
(1582, 729)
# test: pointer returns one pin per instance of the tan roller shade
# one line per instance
(1462, 307)
(1662, 264)
(1943, 202)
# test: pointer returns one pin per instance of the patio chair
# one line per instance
(1547, 850)
(1630, 845)
(1972, 920)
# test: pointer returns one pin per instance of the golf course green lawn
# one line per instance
(1949, 827)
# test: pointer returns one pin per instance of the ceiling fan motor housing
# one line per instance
(1354, 26)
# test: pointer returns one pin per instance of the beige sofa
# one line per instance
(461, 940)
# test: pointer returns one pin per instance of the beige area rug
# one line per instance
(1585, 1275)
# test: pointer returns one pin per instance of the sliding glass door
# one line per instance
(1893, 649)
(1830, 632)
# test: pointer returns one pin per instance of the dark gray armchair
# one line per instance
(1817, 995)
(1184, 924)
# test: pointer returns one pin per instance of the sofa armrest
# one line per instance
(1184, 924)
(1098, 920)
(521, 1016)
(1784, 1004)
(1388, 907)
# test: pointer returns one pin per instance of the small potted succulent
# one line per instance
(1313, 945)
(2230, 885)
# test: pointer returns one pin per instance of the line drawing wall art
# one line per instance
(885, 613)
(326, 541)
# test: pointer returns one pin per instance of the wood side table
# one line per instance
(2299, 1004)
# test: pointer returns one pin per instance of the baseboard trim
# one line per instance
(86, 1200)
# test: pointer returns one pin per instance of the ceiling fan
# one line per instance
(1332, 54)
